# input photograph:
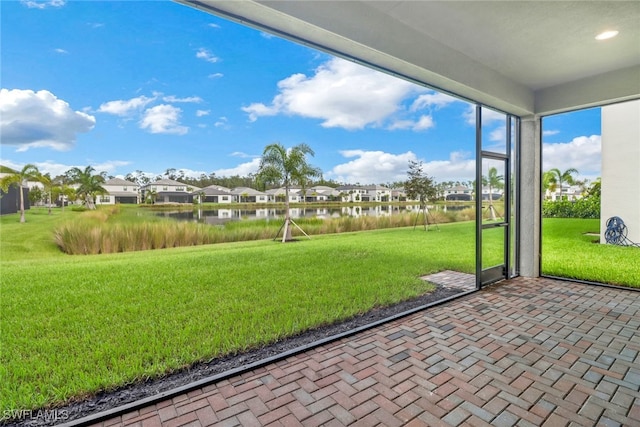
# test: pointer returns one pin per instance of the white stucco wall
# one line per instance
(621, 167)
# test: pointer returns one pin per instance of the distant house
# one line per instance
(398, 195)
(458, 193)
(214, 194)
(169, 191)
(364, 193)
(119, 191)
(279, 194)
(321, 193)
(568, 192)
(249, 195)
(495, 194)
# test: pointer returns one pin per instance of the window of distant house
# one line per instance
(124, 188)
(105, 199)
(179, 188)
(164, 188)
(153, 188)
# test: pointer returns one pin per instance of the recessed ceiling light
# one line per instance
(606, 35)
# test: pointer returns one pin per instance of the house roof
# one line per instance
(458, 188)
(119, 181)
(219, 187)
(215, 190)
(246, 190)
(521, 57)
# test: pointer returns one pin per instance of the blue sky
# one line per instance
(152, 85)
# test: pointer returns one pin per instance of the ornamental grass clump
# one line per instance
(86, 238)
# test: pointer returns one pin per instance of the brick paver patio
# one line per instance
(526, 352)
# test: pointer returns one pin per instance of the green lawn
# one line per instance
(73, 325)
(568, 250)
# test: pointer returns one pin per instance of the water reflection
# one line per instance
(221, 216)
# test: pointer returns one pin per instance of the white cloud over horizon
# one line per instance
(56, 169)
(371, 167)
(375, 167)
(163, 118)
(31, 119)
(341, 94)
(243, 169)
(583, 153)
(159, 119)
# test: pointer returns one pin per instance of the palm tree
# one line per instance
(17, 179)
(493, 180)
(558, 178)
(150, 197)
(48, 184)
(89, 185)
(286, 167)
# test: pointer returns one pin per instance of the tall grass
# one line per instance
(109, 231)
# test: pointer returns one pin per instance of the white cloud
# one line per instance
(372, 167)
(110, 165)
(201, 113)
(61, 51)
(550, 132)
(125, 108)
(257, 110)
(190, 99)
(39, 119)
(163, 118)
(243, 169)
(212, 25)
(206, 55)
(222, 122)
(56, 169)
(215, 75)
(340, 93)
(489, 116)
(498, 135)
(241, 155)
(432, 99)
(458, 167)
(423, 123)
(582, 153)
(34, 4)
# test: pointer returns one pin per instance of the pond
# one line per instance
(220, 216)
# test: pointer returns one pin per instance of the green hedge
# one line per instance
(588, 207)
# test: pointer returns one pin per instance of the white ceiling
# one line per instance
(523, 57)
(538, 43)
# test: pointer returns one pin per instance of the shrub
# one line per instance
(586, 208)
